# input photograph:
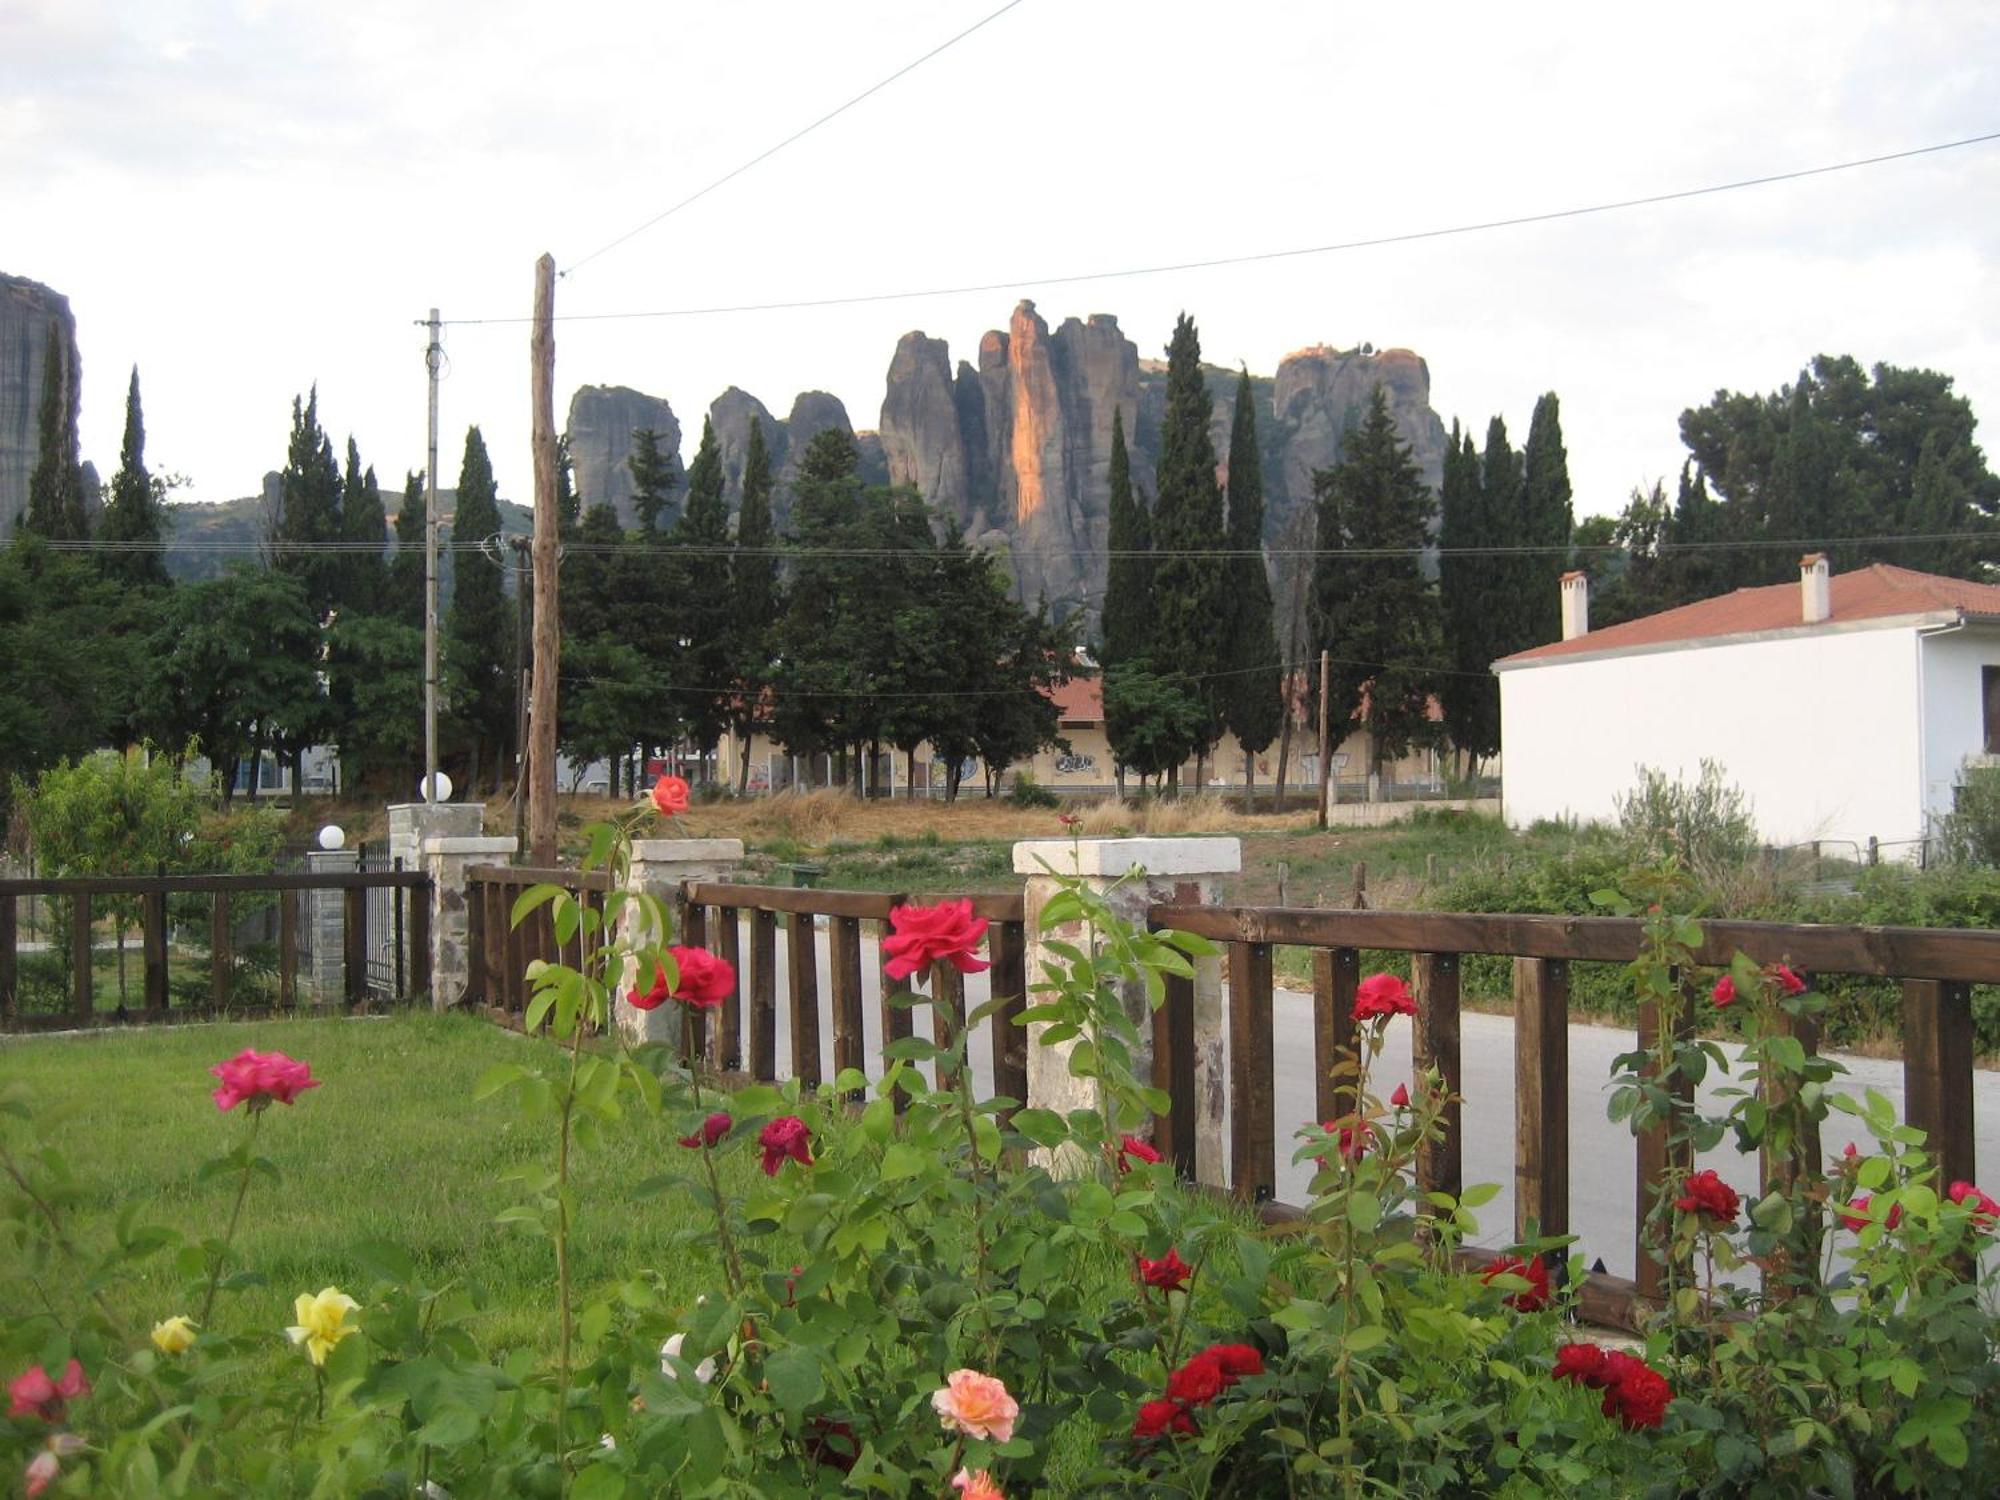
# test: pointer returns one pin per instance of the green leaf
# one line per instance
(598, 1482)
(499, 1076)
(902, 1160)
(1042, 1126)
(794, 1376)
(1360, 1340)
(528, 900)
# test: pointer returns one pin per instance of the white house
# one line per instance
(1845, 707)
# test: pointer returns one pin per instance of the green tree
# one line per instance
(1467, 579)
(1127, 618)
(701, 612)
(377, 666)
(1188, 587)
(478, 640)
(364, 527)
(66, 682)
(755, 599)
(308, 518)
(134, 520)
(824, 652)
(1546, 522)
(1150, 718)
(55, 488)
(1377, 616)
(1253, 689)
(653, 481)
(406, 569)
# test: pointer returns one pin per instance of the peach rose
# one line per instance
(977, 1405)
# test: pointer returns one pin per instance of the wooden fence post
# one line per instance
(83, 982)
(1434, 1044)
(1937, 1073)
(1541, 1097)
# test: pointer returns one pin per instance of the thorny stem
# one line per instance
(730, 1263)
(235, 1213)
(562, 1256)
(962, 1091)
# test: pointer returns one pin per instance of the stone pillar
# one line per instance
(324, 920)
(1187, 871)
(410, 823)
(658, 868)
(445, 860)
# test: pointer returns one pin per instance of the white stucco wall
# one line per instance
(1953, 708)
(1819, 730)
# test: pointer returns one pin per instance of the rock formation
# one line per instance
(602, 419)
(30, 314)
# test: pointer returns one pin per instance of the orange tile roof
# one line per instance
(1081, 700)
(1878, 591)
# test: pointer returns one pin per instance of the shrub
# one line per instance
(1027, 792)
(1970, 832)
(1705, 824)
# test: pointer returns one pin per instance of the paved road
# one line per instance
(1603, 1191)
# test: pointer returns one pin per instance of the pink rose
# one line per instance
(42, 1471)
(670, 796)
(976, 1405)
(706, 981)
(1856, 1215)
(977, 1485)
(1724, 992)
(260, 1077)
(1984, 1209)
(784, 1137)
(1383, 996)
(653, 998)
(947, 932)
(35, 1395)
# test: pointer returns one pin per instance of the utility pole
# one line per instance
(1325, 731)
(542, 713)
(434, 362)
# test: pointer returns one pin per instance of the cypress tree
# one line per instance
(1471, 694)
(1188, 588)
(701, 606)
(135, 516)
(309, 509)
(1127, 621)
(754, 598)
(55, 489)
(405, 598)
(1253, 701)
(1376, 614)
(653, 481)
(479, 628)
(363, 523)
(1546, 522)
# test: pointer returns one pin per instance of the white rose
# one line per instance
(671, 1350)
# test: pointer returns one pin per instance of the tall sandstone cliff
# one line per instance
(1017, 449)
(30, 315)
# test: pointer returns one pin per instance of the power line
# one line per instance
(1370, 243)
(796, 135)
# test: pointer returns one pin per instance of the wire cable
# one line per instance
(1372, 242)
(796, 135)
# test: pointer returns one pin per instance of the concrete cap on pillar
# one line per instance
(486, 844)
(1114, 857)
(686, 851)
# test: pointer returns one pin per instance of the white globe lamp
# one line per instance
(443, 788)
(332, 837)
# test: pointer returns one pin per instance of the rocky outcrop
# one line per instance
(602, 419)
(922, 437)
(1320, 392)
(30, 315)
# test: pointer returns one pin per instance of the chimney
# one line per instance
(1815, 588)
(1575, 605)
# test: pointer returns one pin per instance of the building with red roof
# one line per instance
(1846, 706)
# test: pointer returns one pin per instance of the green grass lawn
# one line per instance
(391, 1147)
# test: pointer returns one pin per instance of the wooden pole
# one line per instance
(542, 709)
(1325, 731)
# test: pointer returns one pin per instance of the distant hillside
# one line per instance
(206, 538)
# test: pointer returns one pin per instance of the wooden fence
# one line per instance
(1937, 969)
(498, 952)
(84, 893)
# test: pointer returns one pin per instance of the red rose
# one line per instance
(785, 1136)
(1237, 1361)
(1157, 1417)
(1984, 1209)
(1857, 1217)
(1582, 1363)
(1789, 982)
(670, 796)
(1069, 820)
(1199, 1381)
(947, 932)
(1169, 1273)
(1536, 1297)
(1349, 1140)
(713, 1129)
(1401, 1098)
(706, 981)
(833, 1444)
(1383, 995)
(653, 998)
(1131, 1149)
(1724, 992)
(1639, 1399)
(1711, 1197)
(35, 1395)
(260, 1077)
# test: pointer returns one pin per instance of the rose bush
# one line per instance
(915, 1291)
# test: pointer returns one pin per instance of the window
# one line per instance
(1989, 682)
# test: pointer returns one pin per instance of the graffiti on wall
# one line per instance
(1075, 765)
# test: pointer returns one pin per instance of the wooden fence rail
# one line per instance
(1937, 969)
(89, 896)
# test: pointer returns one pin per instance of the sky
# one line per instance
(247, 197)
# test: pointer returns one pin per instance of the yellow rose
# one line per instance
(175, 1335)
(322, 1321)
